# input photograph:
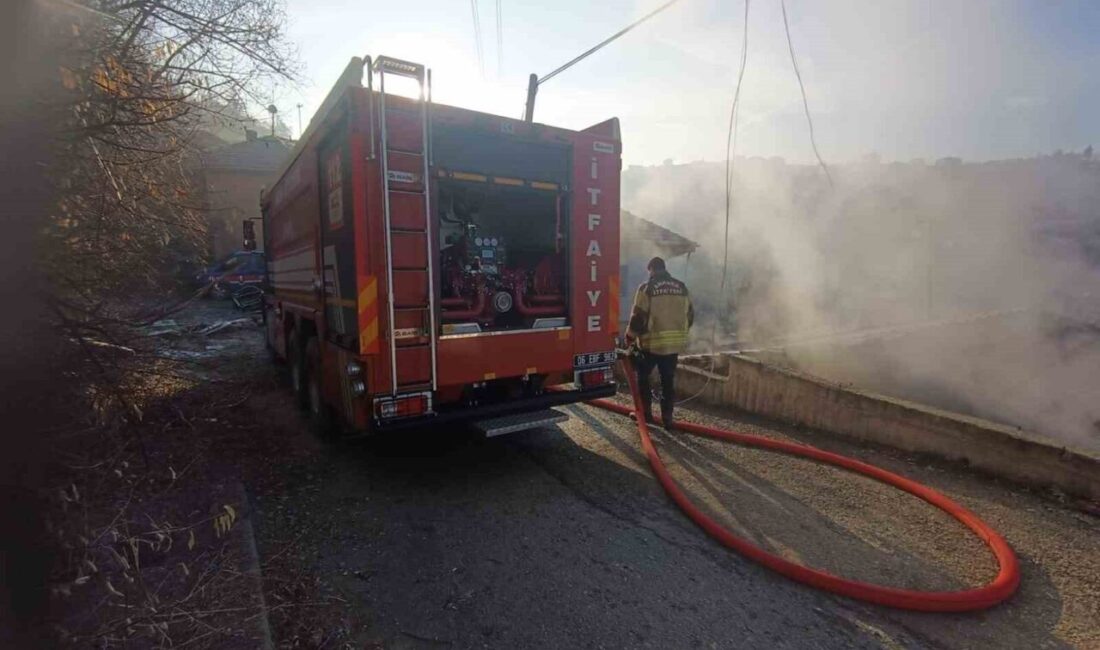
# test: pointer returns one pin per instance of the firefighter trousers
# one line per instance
(666, 368)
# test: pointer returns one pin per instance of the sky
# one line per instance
(905, 79)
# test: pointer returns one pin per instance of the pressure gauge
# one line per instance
(477, 242)
(493, 242)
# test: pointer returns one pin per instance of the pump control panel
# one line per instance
(487, 254)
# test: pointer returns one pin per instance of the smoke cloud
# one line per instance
(969, 286)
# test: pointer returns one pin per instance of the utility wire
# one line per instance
(608, 40)
(731, 145)
(731, 149)
(802, 88)
(500, 41)
(477, 37)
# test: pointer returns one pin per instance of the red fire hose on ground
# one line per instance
(1003, 586)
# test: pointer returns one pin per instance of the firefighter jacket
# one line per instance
(661, 315)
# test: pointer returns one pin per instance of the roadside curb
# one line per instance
(250, 565)
(796, 398)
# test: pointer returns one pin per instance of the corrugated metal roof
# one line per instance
(633, 227)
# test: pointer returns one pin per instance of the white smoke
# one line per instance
(968, 286)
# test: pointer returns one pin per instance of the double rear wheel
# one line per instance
(321, 416)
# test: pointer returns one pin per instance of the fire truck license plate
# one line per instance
(593, 359)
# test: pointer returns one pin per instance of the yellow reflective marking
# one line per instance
(368, 336)
(369, 294)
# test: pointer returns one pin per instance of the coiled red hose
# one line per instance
(1003, 586)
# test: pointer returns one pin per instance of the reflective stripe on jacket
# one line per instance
(662, 315)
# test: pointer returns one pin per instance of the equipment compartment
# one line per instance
(503, 251)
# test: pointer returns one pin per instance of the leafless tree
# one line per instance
(138, 84)
(143, 79)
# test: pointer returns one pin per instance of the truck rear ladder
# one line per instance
(407, 220)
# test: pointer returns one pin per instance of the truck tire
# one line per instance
(265, 314)
(282, 368)
(321, 417)
(279, 367)
(296, 360)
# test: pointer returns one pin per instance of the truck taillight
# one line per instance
(594, 377)
(403, 406)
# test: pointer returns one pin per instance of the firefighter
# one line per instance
(659, 323)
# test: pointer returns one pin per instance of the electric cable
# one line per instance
(731, 146)
(500, 40)
(802, 89)
(731, 149)
(998, 590)
(607, 40)
(477, 37)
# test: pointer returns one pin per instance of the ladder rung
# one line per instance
(399, 67)
(401, 118)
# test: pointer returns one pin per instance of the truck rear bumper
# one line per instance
(462, 414)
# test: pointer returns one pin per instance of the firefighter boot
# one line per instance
(666, 413)
(647, 408)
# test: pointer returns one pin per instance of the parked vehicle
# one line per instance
(239, 270)
(430, 263)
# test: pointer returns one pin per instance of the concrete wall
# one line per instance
(787, 396)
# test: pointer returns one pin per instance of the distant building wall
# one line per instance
(232, 197)
(230, 179)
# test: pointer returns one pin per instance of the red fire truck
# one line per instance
(427, 263)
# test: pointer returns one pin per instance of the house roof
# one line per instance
(666, 241)
(262, 154)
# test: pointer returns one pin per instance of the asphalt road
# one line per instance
(559, 537)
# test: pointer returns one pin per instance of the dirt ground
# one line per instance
(560, 537)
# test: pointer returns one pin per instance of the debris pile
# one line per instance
(173, 329)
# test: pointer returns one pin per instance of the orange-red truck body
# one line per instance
(331, 264)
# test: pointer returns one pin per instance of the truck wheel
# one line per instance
(279, 367)
(265, 315)
(321, 417)
(297, 362)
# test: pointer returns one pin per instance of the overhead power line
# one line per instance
(477, 37)
(731, 148)
(534, 81)
(802, 88)
(604, 42)
(731, 145)
(500, 41)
